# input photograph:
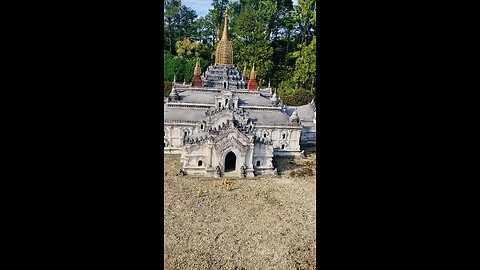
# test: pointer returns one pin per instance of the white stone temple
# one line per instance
(223, 124)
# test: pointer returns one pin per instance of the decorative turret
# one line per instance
(224, 53)
(197, 71)
(244, 74)
(252, 82)
(174, 93)
(196, 79)
(294, 117)
(274, 99)
(253, 74)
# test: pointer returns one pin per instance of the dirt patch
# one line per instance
(266, 223)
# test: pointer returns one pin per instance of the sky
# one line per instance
(202, 6)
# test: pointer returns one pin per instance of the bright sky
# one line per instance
(202, 6)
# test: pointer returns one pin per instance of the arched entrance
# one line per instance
(230, 162)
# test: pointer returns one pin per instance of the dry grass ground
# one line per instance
(266, 223)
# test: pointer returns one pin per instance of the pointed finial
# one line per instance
(253, 74)
(268, 83)
(197, 71)
(294, 116)
(225, 27)
(174, 78)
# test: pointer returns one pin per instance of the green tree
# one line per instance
(304, 17)
(305, 65)
(187, 49)
(178, 69)
(178, 23)
(171, 17)
(167, 66)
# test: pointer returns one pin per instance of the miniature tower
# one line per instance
(196, 80)
(294, 117)
(252, 82)
(274, 99)
(244, 74)
(174, 93)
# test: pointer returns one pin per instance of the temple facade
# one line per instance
(223, 124)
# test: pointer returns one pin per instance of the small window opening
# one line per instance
(283, 146)
(284, 136)
(200, 163)
(185, 133)
(258, 163)
(219, 104)
(265, 135)
(201, 126)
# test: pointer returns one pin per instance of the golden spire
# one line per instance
(197, 71)
(225, 27)
(224, 53)
(253, 74)
(244, 74)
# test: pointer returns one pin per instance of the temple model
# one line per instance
(223, 123)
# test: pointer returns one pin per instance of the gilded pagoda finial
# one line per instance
(225, 27)
(197, 71)
(224, 53)
(244, 73)
(253, 74)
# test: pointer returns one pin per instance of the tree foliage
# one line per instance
(305, 65)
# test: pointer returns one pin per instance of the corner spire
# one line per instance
(244, 73)
(196, 79)
(253, 74)
(197, 71)
(252, 82)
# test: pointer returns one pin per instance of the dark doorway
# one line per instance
(230, 161)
